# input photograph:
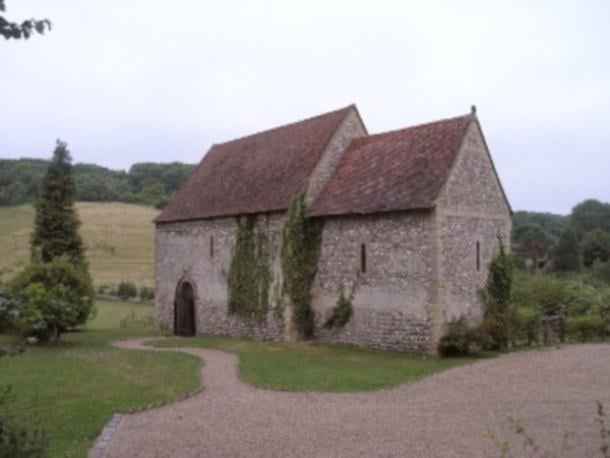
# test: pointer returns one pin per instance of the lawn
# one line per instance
(308, 366)
(73, 388)
(119, 239)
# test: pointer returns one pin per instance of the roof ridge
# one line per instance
(282, 126)
(416, 126)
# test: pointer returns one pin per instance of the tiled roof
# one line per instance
(254, 174)
(399, 170)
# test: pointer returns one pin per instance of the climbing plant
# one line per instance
(249, 273)
(341, 313)
(301, 241)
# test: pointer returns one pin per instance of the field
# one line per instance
(73, 388)
(119, 239)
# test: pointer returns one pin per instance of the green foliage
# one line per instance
(52, 297)
(601, 271)
(17, 438)
(461, 339)
(543, 292)
(8, 311)
(146, 293)
(553, 225)
(596, 247)
(586, 327)
(531, 241)
(145, 183)
(341, 313)
(56, 224)
(526, 325)
(499, 317)
(127, 290)
(590, 215)
(25, 29)
(567, 255)
(249, 274)
(301, 241)
(499, 281)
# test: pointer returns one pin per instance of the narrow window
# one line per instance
(363, 258)
(211, 246)
(478, 256)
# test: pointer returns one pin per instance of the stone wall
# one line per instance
(184, 252)
(472, 213)
(390, 299)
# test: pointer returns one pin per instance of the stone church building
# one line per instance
(409, 221)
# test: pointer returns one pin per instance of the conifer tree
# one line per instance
(567, 254)
(56, 224)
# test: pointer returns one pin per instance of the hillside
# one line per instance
(119, 239)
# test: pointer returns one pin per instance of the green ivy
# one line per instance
(341, 313)
(249, 274)
(301, 242)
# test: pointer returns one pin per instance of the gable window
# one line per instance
(211, 246)
(478, 256)
(363, 258)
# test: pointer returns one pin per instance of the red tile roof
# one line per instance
(400, 170)
(254, 174)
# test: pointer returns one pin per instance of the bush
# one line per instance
(541, 291)
(8, 312)
(127, 290)
(587, 327)
(52, 297)
(527, 325)
(341, 313)
(461, 339)
(18, 440)
(146, 293)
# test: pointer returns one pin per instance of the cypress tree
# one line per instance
(567, 254)
(56, 224)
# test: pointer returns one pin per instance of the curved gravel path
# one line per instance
(448, 414)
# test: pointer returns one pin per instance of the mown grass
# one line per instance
(308, 366)
(72, 389)
(119, 239)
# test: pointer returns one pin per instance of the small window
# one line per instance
(363, 258)
(478, 256)
(211, 246)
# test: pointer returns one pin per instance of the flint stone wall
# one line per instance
(390, 300)
(184, 253)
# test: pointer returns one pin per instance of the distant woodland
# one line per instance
(145, 183)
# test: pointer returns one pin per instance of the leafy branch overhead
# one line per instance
(21, 30)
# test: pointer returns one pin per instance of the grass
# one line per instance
(307, 366)
(110, 313)
(119, 239)
(73, 388)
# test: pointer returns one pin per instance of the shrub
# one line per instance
(461, 339)
(580, 298)
(127, 290)
(527, 325)
(146, 293)
(341, 313)
(18, 440)
(601, 271)
(52, 297)
(544, 292)
(8, 312)
(587, 327)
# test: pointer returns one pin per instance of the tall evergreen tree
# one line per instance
(567, 254)
(56, 224)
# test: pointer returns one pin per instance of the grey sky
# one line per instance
(149, 80)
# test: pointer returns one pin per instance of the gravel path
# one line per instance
(448, 414)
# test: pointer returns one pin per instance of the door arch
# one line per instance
(184, 310)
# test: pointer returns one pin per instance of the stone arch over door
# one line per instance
(185, 323)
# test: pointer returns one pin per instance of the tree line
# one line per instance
(564, 243)
(144, 183)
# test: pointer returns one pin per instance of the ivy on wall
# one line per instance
(249, 273)
(341, 313)
(301, 242)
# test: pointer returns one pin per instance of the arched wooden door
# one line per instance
(184, 310)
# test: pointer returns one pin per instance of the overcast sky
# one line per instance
(150, 80)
